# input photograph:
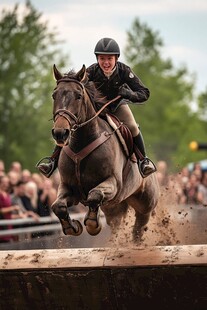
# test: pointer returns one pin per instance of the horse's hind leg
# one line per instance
(139, 228)
(114, 215)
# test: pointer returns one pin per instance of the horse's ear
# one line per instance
(82, 75)
(57, 73)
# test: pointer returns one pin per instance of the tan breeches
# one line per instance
(126, 116)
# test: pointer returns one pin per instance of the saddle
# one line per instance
(124, 135)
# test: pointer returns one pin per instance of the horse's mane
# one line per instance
(95, 95)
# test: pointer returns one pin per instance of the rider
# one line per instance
(113, 78)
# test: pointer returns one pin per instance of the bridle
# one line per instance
(68, 115)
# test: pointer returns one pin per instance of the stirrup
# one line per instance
(49, 162)
(140, 162)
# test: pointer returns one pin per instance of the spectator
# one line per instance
(7, 210)
(190, 190)
(19, 191)
(26, 175)
(202, 189)
(162, 173)
(197, 170)
(16, 166)
(14, 178)
(30, 197)
(184, 175)
(38, 179)
(46, 197)
(2, 168)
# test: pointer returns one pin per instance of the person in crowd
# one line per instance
(184, 175)
(30, 197)
(162, 173)
(18, 193)
(113, 78)
(26, 175)
(38, 179)
(202, 190)
(190, 190)
(2, 168)
(7, 209)
(14, 178)
(16, 166)
(46, 196)
(197, 170)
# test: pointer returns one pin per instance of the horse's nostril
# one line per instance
(66, 134)
(60, 134)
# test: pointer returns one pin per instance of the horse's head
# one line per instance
(68, 109)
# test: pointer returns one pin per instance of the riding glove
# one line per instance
(126, 93)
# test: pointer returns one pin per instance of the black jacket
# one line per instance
(109, 87)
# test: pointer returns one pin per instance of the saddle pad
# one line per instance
(123, 133)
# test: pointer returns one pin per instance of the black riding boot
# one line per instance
(146, 166)
(47, 168)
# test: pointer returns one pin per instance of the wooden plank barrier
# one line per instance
(167, 277)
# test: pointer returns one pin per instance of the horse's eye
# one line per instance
(78, 96)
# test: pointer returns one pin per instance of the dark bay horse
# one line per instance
(93, 167)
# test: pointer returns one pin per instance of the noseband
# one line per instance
(66, 114)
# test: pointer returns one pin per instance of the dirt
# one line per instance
(171, 224)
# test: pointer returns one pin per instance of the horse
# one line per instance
(94, 169)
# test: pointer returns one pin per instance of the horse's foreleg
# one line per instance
(69, 227)
(92, 221)
(96, 197)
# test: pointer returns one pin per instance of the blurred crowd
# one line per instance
(189, 185)
(24, 194)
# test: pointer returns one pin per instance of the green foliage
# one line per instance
(27, 53)
(166, 120)
(202, 104)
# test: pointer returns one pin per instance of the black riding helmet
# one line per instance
(107, 46)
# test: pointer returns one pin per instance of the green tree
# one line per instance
(202, 105)
(167, 119)
(28, 51)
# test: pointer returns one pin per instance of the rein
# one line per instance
(97, 114)
(64, 113)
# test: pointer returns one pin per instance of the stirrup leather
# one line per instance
(46, 160)
(140, 165)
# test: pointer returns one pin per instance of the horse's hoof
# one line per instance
(92, 228)
(92, 223)
(76, 230)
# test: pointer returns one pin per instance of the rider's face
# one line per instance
(107, 62)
